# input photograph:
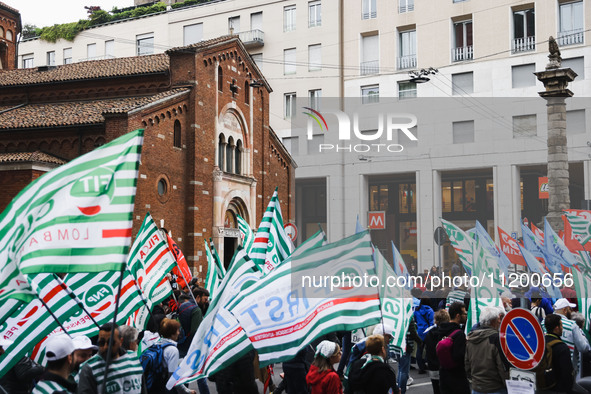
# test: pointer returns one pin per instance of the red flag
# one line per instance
(510, 248)
(538, 233)
(181, 263)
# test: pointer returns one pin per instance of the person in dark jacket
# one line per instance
(424, 318)
(375, 376)
(454, 381)
(20, 378)
(564, 373)
(431, 339)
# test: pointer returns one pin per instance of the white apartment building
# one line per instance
(484, 167)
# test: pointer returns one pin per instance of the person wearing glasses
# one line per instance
(124, 370)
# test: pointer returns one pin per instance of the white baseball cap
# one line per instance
(563, 303)
(82, 342)
(58, 347)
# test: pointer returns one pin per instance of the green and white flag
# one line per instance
(461, 243)
(580, 222)
(221, 270)
(212, 279)
(150, 260)
(75, 218)
(315, 241)
(583, 289)
(245, 233)
(271, 245)
(294, 304)
(30, 323)
(219, 339)
(396, 302)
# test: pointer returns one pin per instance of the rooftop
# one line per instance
(37, 156)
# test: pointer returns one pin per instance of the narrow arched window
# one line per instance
(238, 158)
(220, 79)
(229, 154)
(177, 134)
(246, 92)
(221, 151)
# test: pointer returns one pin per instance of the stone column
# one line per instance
(555, 80)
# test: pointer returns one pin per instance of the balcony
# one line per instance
(103, 57)
(523, 44)
(404, 62)
(462, 54)
(571, 37)
(369, 15)
(253, 38)
(402, 8)
(368, 68)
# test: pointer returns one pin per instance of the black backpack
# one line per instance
(545, 377)
(355, 380)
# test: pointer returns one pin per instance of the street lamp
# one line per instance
(422, 75)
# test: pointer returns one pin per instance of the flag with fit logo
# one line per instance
(75, 218)
(271, 245)
(31, 322)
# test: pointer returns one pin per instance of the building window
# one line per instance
(459, 195)
(229, 154)
(192, 33)
(523, 75)
(315, 98)
(256, 21)
(463, 49)
(246, 92)
(144, 44)
(234, 25)
(177, 143)
(368, 9)
(577, 64)
(289, 18)
(289, 100)
(524, 31)
(28, 61)
(314, 57)
(575, 122)
(314, 14)
(463, 132)
(220, 79)
(378, 197)
(221, 151)
(292, 145)
(525, 126)
(570, 23)
(110, 49)
(406, 6)
(289, 61)
(407, 90)
(162, 187)
(370, 63)
(9, 35)
(51, 58)
(462, 83)
(238, 158)
(67, 55)
(258, 59)
(90, 51)
(459, 1)
(407, 55)
(370, 94)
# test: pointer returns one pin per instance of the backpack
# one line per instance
(545, 378)
(152, 360)
(355, 379)
(444, 351)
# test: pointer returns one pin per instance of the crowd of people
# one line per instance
(121, 359)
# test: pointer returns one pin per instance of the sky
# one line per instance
(46, 13)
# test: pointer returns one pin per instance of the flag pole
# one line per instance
(54, 317)
(112, 337)
(187, 283)
(75, 298)
(141, 293)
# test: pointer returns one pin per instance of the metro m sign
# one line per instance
(377, 220)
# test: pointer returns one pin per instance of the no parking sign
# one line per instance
(522, 339)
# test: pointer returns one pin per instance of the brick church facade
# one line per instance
(209, 153)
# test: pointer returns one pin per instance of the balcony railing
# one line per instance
(102, 57)
(368, 68)
(462, 53)
(523, 44)
(571, 37)
(402, 8)
(409, 61)
(369, 15)
(252, 38)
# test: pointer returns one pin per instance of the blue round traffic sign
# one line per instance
(522, 339)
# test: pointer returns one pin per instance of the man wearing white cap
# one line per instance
(571, 334)
(58, 353)
(83, 350)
